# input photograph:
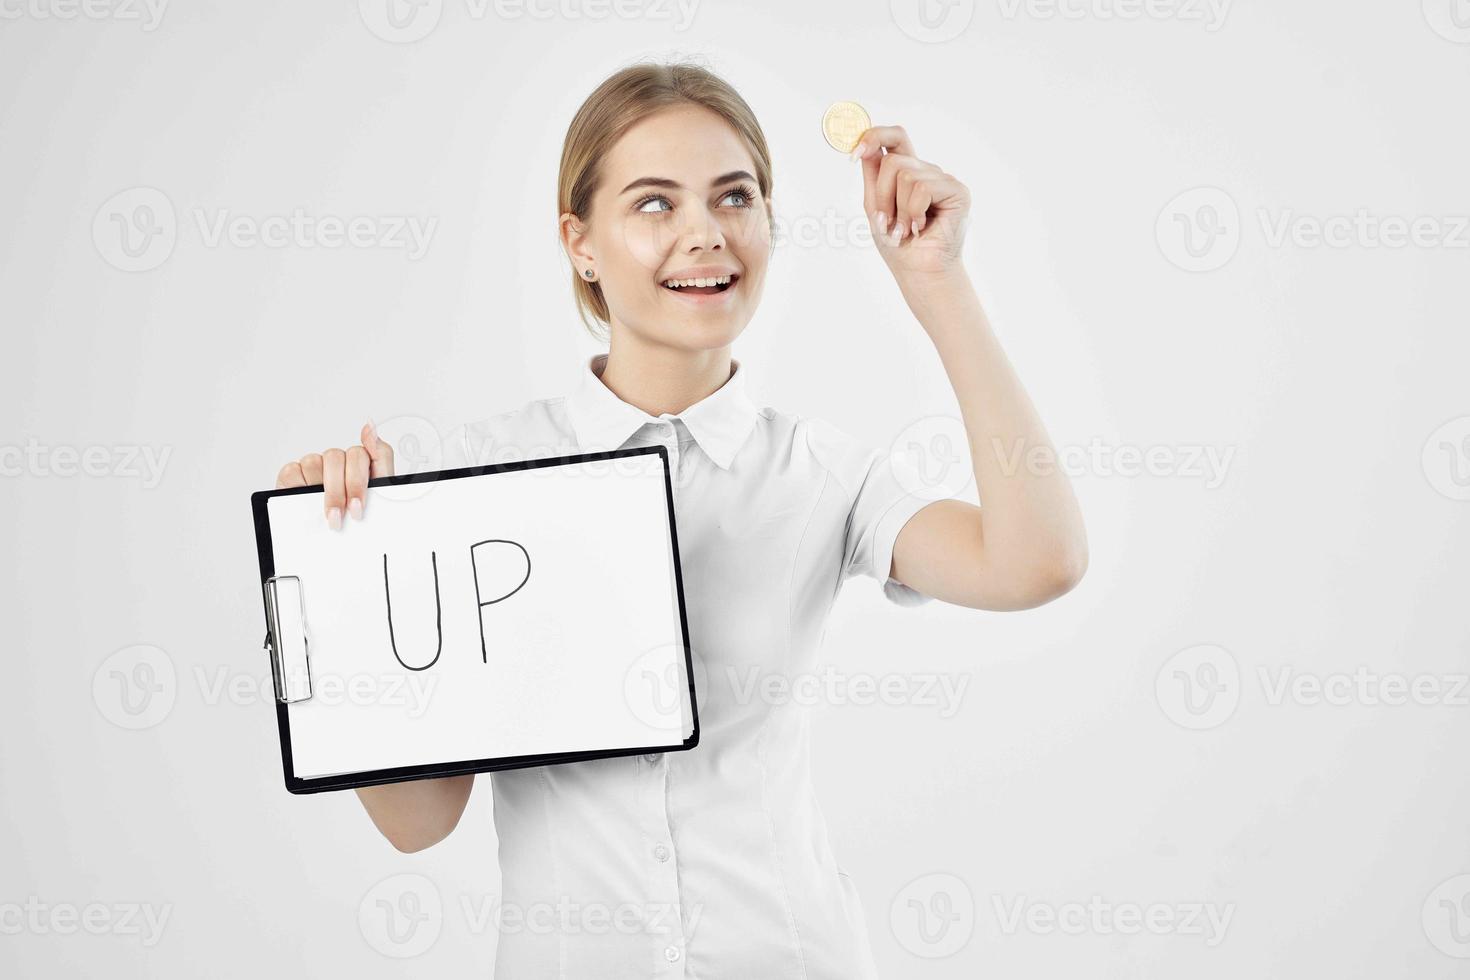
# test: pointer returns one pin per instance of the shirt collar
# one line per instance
(720, 422)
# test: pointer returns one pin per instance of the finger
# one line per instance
(334, 500)
(380, 453)
(290, 476)
(919, 196)
(311, 468)
(870, 146)
(895, 175)
(358, 466)
(894, 139)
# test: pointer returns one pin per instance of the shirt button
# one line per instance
(671, 953)
(661, 852)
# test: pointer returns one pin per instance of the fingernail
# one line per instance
(334, 518)
(897, 232)
(857, 152)
(354, 507)
(882, 223)
(914, 227)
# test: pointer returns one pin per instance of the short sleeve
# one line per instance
(885, 492)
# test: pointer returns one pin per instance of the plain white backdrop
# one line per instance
(1224, 244)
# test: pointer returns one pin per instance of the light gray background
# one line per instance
(1078, 766)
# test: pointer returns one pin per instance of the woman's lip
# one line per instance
(702, 299)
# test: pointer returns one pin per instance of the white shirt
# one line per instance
(712, 863)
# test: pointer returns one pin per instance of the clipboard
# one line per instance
(538, 543)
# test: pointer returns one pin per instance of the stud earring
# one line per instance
(588, 273)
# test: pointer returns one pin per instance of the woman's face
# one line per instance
(677, 199)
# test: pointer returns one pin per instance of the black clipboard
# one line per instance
(276, 640)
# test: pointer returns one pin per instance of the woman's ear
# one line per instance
(574, 239)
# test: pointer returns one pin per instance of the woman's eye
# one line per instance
(643, 206)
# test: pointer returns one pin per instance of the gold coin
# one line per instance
(843, 124)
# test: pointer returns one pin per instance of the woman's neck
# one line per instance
(662, 380)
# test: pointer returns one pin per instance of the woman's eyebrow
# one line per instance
(676, 186)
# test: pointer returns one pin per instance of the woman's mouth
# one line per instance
(694, 289)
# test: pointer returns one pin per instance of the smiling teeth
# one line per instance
(716, 281)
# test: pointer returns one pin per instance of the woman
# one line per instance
(715, 863)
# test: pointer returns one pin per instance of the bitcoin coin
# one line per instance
(843, 124)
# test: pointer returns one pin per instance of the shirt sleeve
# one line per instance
(885, 492)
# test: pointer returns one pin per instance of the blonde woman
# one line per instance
(715, 863)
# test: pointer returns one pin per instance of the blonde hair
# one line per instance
(623, 99)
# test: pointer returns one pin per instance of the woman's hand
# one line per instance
(917, 212)
(343, 473)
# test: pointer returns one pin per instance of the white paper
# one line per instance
(586, 654)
